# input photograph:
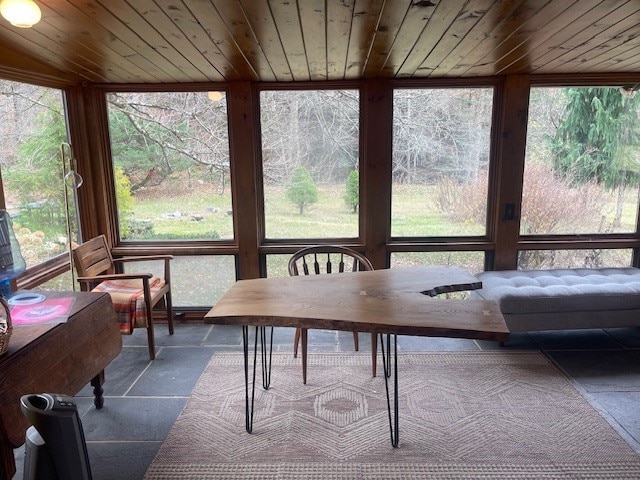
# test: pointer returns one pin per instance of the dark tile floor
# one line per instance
(143, 399)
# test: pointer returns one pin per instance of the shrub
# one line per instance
(125, 200)
(463, 202)
(549, 203)
(302, 189)
(352, 193)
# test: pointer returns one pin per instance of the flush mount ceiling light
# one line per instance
(20, 13)
(215, 96)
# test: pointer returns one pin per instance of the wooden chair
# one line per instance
(133, 294)
(323, 259)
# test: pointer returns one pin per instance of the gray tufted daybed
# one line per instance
(564, 298)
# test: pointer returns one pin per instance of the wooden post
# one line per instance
(375, 184)
(513, 109)
(244, 148)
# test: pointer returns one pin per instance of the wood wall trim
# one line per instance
(89, 134)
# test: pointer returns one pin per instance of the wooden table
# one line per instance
(55, 358)
(397, 301)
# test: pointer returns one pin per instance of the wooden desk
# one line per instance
(55, 358)
(396, 301)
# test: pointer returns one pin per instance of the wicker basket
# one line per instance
(5, 326)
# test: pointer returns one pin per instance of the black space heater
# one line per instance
(55, 448)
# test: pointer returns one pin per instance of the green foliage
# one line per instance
(594, 138)
(39, 163)
(125, 201)
(123, 191)
(139, 147)
(352, 193)
(179, 235)
(37, 176)
(302, 189)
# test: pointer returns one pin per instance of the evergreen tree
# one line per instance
(302, 189)
(37, 177)
(596, 140)
(352, 193)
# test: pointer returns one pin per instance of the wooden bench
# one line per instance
(559, 299)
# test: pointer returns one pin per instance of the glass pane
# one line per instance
(310, 151)
(62, 283)
(277, 265)
(32, 131)
(473, 262)
(171, 165)
(592, 258)
(583, 150)
(196, 281)
(441, 141)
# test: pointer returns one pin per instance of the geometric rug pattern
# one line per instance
(462, 415)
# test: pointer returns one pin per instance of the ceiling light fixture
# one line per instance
(215, 96)
(20, 13)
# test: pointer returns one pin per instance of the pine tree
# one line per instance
(302, 189)
(352, 193)
(596, 140)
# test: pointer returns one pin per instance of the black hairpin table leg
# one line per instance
(393, 417)
(266, 356)
(386, 354)
(251, 378)
(249, 399)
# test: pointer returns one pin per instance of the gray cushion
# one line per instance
(562, 290)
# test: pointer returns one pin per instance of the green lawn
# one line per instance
(414, 213)
(200, 214)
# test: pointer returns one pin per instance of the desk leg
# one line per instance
(266, 368)
(249, 403)
(393, 419)
(96, 383)
(386, 354)
(266, 357)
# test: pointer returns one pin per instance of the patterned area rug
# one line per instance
(462, 415)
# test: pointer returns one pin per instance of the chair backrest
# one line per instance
(93, 257)
(327, 259)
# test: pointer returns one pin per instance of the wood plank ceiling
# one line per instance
(166, 41)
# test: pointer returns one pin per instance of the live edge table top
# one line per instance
(396, 300)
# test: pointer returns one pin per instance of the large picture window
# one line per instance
(441, 141)
(473, 262)
(196, 281)
(310, 159)
(32, 130)
(583, 150)
(171, 165)
(582, 170)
